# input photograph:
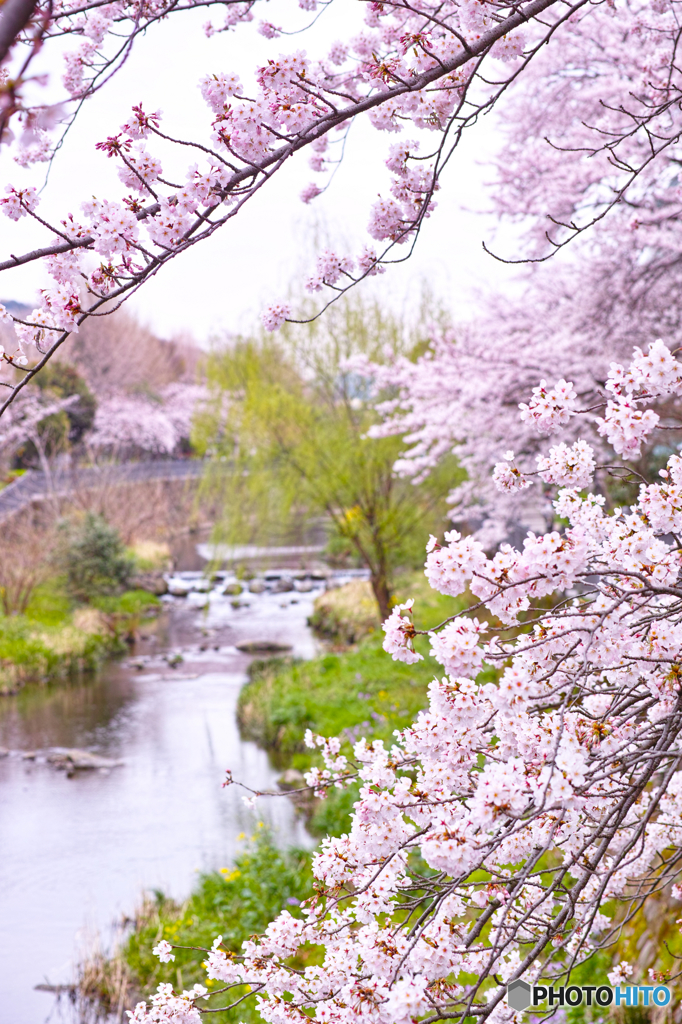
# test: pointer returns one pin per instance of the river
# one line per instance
(76, 852)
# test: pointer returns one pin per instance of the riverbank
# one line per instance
(55, 640)
(354, 692)
(236, 902)
(78, 848)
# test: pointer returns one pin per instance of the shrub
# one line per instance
(94, 559)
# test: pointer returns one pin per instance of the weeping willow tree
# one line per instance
(287, 426)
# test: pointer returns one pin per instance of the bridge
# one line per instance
(35, 486)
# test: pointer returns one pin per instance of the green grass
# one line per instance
(361, 692)
(132, 602)
(50, 605)
(236, 902)
(51, 640)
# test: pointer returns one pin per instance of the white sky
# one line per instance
(224, 283)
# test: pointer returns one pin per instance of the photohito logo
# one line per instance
(521, 995)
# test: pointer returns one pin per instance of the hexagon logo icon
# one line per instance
(518, 995)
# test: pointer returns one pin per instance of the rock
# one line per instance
(72, 759)
(4, 752)
(29, 755)
(262, 647)
(173, 660)
(291, 779)
(283, 585)
(202, 586)
(233, 589)
(257, 586)
(304, 586)
(179, 588)
(152, 582)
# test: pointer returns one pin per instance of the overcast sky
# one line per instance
(224, 283)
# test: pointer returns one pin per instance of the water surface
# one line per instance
(76, 853)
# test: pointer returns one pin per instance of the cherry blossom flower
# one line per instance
(399, 635)
(163, 951)
(275, 315)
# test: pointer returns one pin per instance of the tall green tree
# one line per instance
(288, 428)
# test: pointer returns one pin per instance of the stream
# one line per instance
(78, 849)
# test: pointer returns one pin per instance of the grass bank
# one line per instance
(56, 638)
(235, 902)
(355, 693)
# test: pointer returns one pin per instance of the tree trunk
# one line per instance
(382, 592)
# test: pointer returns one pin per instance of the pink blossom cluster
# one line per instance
(399, 635)
(626, 427)
(508, 580)
(157, 424)
(550, 408)
(568, 467)
(456, 646)
(570, 758)
(19, 201)
(508, 477)
(406, 68)
(168, 1008)
(330, 268)
(661, 504)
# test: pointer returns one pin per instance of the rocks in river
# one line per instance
(233, 589)
(203, 585)
(173, 660)
(283, 585)
(72, 759)
(262, 647)
(257, 586)
(29, 755)
(153, 582)
(4, 752)
(303, 586)
(179, 588)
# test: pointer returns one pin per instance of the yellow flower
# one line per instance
(230, 874)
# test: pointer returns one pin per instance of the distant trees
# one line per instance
(288, 425)
(64, 391)
(115, 389)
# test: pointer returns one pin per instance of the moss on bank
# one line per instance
(55, 639)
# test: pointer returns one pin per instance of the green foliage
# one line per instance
(132, 602)
(40, 654)
(58, 432)
(60, 381)
(49, 605)
(94, 558)
(289, 426)
(53, 640)
(359, 693)
(235, 902)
